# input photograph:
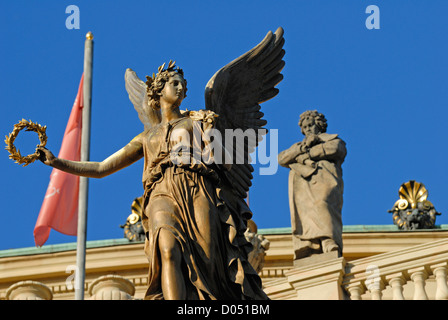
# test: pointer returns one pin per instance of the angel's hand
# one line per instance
(45, 155)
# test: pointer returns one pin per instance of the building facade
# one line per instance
(378, 262)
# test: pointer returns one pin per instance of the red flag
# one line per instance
(59, 209)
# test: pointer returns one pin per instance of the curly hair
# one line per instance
(319, 119)
(156, 83)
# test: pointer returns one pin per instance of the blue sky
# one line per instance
(384, 91)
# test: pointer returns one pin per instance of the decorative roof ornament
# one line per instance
(133, 228)
(413, 211)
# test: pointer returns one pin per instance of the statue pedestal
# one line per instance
(111, 287)
(318, 277)
(29, 290)
(317, 258)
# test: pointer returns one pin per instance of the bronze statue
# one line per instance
(195, 213)
(315, 187)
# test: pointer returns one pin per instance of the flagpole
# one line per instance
(84, 181)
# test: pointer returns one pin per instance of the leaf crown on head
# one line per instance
(156, 83)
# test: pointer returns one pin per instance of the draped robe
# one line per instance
(208, 221)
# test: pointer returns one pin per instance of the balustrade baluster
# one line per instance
(396, 281)
(419, 272)
(418, 276)
(374, 282)
(355, 290)
(440, 272)
(376, 292)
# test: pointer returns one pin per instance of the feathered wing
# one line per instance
(136, 89)
(235, 93)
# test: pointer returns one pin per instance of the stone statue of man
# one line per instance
(315, 187)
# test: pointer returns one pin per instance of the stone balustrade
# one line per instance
(108, 287)
(418, 272)
(382, 265)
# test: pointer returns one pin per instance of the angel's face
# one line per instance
(174, 90)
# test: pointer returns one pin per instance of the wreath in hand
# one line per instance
(15, 153)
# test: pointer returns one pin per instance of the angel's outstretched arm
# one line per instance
(124, 157)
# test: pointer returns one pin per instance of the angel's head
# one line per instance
(169, 83)
(312, 122)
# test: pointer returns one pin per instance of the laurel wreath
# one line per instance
(15, 153)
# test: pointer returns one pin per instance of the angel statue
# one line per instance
(194, 209)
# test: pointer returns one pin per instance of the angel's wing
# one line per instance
(235, 93)
(136, 89)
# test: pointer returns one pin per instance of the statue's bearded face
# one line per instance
(309, 127)
(174, 90)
